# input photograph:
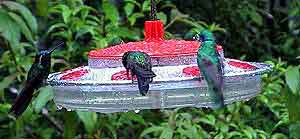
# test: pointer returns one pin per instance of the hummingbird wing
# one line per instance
(36, 75)
(143, 71)
(213, 74)
(35, 79)
(22, 101)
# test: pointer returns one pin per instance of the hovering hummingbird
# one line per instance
(139, 64)
(38, 72)
(211, 66)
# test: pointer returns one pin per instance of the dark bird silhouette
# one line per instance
(139, 64)
(38, 72)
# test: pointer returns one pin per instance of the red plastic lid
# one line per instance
(166, 48)
(154, 45)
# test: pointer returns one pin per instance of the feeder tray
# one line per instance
(103, 85)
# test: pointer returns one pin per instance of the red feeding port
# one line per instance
(242, 65)
(191, 71)
(74, 75)
(71, 70)
(122, 75)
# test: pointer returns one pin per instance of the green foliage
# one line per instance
(293, 80)
(247, 29)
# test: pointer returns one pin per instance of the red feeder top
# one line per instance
(154, 45)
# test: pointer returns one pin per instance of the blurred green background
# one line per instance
(253, 30)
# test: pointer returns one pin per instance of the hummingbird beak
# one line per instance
(60, 44)
(197, 38)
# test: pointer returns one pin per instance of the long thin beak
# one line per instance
(60, 44)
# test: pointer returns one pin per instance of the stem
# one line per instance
(29, 131)
(55, 123)
(171, 22)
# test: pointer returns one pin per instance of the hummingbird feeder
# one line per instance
(103, 85)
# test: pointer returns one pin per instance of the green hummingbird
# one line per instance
(211, 66)
(139, 64)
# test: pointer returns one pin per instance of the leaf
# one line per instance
(25, 30)
(279, 136)
(209, 119)
(133, 2)
(247, 133)
(135, 117)
(66, 13)
(9, 29)
(219, 136)
(292, 78)
(146, 6)
(4, 108)
(83, 30)
(294, 130)
(6, 82)
(111, 12)
(101, 43)
(151, 130)
(70, 124)
(42, 7)
(114, 41)
(45, 95)
(56, 26)
(124, 33)
(133, 17)
(233, 134)
(64, 10)
(162, 16)
(256, 18)
(167, 133)
(293, 106)
(129, 7)
(83, 10)
(112, 130)
(89, 120)
(27, 15)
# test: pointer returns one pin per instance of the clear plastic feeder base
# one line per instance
(108, 90)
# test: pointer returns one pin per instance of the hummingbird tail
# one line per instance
(143, 84)
(22, 101)
(218, 97)
(144, 77)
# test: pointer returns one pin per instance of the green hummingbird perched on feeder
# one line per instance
(38, 72)
(139, 64)
(211, 66)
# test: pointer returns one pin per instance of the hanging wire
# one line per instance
(153, 10)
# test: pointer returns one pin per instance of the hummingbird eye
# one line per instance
(202, 38)
(197, 37)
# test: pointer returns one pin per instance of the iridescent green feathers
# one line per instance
(139, 64)
(211, 66)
